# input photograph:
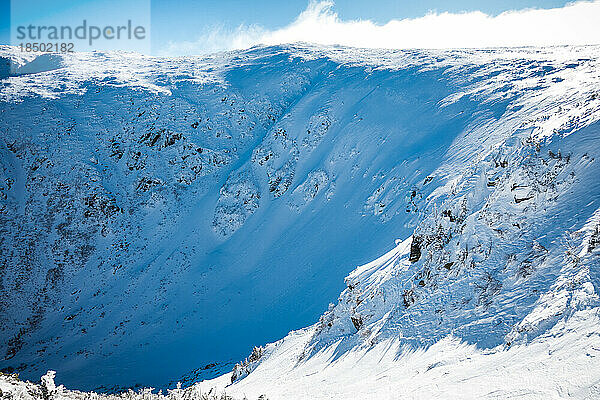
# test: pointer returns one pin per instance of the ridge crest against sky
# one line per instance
(572, 24)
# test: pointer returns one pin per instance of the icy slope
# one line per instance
(164, 215)
(558, 365)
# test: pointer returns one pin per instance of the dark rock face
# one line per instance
(415, 249)
(357, 322)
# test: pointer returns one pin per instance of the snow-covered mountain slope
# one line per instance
(560, 364)
(563, 363)
(161, 216)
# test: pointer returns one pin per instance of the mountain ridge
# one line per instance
(212, 185)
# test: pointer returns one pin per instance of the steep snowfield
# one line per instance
(559, 362)
(562, 364)
(160, 217)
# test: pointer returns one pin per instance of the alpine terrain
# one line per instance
(163, 219)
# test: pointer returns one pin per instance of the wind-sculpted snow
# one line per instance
(177, 212)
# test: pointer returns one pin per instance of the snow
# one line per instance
(41, 63)
(562, 364)
(178, 212)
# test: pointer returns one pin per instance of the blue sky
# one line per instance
(178, 20)
(186, 20)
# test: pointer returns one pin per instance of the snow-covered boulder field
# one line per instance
(161, 217)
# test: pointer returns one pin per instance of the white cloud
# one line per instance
(575, 23)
